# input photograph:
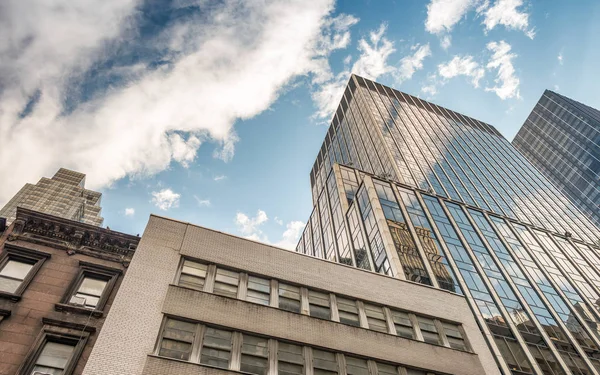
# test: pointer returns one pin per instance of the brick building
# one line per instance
(58, 279)
(198, 301)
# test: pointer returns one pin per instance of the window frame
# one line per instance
(25, 255)
(69, 333)
(91, 270)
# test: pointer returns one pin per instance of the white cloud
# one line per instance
(165, 199)
(410, 64)
(446, 42)
(429, 90)
(129, 211)
(442, 15)
(505, 13)
(226, 63)
(374, 54)
(556, 88)
(250, 226)
(290, 237)
(373, 62)
(464, 66)
(202, 202)
(278, 220)
(507, 83)
(560, 58)
(219, 177)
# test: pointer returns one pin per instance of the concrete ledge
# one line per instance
(245, 316)
(161, 366)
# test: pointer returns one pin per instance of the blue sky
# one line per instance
(212, 111)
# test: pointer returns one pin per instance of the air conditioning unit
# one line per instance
(77, 301)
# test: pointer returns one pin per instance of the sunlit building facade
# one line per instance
(406, 188)
(561, 138)
(64, 195)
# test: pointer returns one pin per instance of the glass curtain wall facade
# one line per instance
(64, 195)
(408, 189)
(561, 138)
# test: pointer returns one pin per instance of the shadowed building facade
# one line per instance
(561, 138)
(64, 195)
(412, 190)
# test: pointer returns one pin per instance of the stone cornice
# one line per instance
(57, 232)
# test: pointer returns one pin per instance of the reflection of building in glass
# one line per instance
(64, 195)
(412, 190)
(561, 137)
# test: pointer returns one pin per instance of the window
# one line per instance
(255, 355)
(18, 266)
(177, 339)
(89, 292)
(356, 366)
(454, 335)
(289, 297)
(90, 289)
(57, 348)
(226, 283)
(324, 363)
(259, 290)
(13, 273)
(216, 348)
(53, 358)
(403, 324)
(376, 318)
(348, 311)
(385, 369)
(429, 330)
(290, 359)
(193, 275)
(319, 304)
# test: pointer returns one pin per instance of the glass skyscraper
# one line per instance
(64, 195)
(561, 138)
(409, 189)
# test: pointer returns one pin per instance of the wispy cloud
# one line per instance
(507, 14)
(462, 66)
(202, 202)
(165, 199)
(507, 83)
(129, 211)
(219, 177)
(181, 85)
(410, 64)
(560, 58)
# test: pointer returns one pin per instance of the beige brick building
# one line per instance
(197, 301)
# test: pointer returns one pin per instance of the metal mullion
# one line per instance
(581, 273)
(355, 134)
(347, 135)
(431, 144)
(377, 131)
(364, 131)
(410, 149)
(430, 160)
(470, 146)
(507, 186)
(447, 150)
(586, 256)
(363, 231)
(336, 250)
(488, 284)
(343, 202)
(560, 292)
(549, 306)
(473, 134)
(467, 293)
(535, 287)
(384, 232)
(415, 238)
(508, 278)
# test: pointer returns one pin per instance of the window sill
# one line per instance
(10, 296)
(78, 310)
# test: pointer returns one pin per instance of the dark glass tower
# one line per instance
(409, 189)
(561, 138)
